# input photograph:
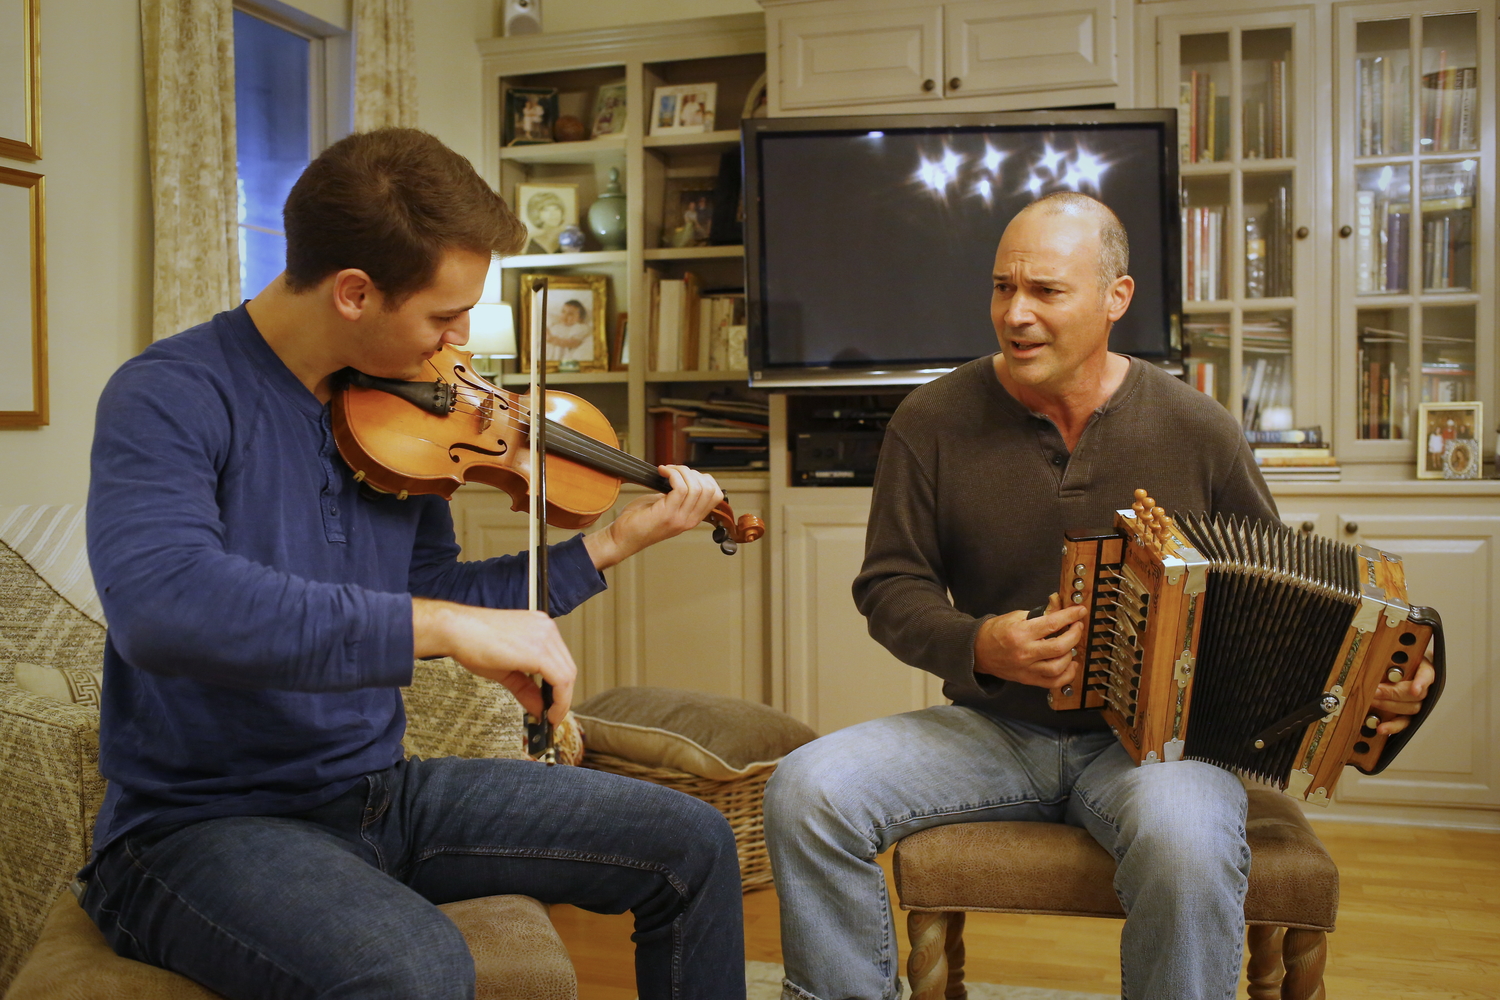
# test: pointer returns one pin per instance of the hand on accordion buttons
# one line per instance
(1035, 651)
(1403, 698)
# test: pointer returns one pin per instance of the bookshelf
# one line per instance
(1417, 172)
(726, 51)
(1242, 83)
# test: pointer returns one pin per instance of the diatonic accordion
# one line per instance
(1243, 644)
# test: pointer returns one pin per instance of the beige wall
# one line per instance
(98, 233)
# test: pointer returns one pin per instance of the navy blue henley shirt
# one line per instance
(259, 606)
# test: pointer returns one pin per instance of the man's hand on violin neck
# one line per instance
(501, 645)
(1035, 651)
(655, 518)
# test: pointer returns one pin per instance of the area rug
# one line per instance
(764, 982)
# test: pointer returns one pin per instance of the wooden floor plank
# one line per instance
(1419, 917)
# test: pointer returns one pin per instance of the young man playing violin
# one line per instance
(261, 833)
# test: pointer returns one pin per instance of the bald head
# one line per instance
(1114, 245)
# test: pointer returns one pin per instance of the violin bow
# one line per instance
(540, 738)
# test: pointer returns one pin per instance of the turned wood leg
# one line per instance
(955, 948)
(1304, 953)
(1264, 972)
(927, 967)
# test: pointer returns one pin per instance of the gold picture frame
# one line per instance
(1439, 425)
(576, 327)
(23, 286)
(20, 88)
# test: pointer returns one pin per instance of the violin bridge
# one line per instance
(487, 412)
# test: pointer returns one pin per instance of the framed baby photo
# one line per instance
(530, 113)
(609, 110)
(1448, 440)
(546, 210)
(683, 109)
(574, 326)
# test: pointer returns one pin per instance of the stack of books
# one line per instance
(711, 434)
(1294, 456)
(693, 329)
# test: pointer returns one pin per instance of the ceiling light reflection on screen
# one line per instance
(1075, 169)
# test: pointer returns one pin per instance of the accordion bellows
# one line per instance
(1243, 644)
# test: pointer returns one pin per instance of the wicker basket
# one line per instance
(739, 799)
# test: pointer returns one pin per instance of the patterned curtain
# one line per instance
(385, 86)
(189, 62)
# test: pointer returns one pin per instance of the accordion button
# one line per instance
(1077, 598)
(1393, 675)
(1079, 569)
(1371, 722)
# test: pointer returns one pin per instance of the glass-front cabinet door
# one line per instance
(1243, 88)
(1415, 192)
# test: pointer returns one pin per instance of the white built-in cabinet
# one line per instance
(847, 56)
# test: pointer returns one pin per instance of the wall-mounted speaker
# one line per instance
(523, 17)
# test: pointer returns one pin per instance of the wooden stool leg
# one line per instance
(927, 967)
(1304, 953)
(955, 948)
(1264, 972)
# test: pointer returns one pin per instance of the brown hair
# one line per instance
(391, 202)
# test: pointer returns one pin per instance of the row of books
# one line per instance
(1382, 87)
(1448, 107)
(1383, 97)
(1203, 117)
(1293, 454)
(1382, 245)
(693, 329)
(710, 434)
(1204, 276)
(1383, 388)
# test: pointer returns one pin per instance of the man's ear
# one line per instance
(354, 294)
(1118, 297)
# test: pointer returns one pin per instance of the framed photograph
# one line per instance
(20, 71)
(23, 289)
(683, 109)
(1448, 440)
(687, 211)
(530, 113)
(546, 210)
(619, 346)
(574, 326)
(609, 110)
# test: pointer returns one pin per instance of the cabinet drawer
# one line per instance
(1066, 45)
(835, 58)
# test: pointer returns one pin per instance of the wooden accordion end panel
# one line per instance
(1243, 644)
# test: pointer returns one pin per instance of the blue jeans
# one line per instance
(339, 901)
(1177, 832)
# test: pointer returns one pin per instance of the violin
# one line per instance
(417, 437)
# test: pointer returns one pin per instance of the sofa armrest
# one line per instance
(50, 791)
(453, 713)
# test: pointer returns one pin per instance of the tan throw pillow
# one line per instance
(703, 734)
(69, 685)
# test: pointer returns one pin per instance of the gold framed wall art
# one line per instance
(20, 80)
(23, 289)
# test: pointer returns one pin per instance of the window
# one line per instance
(292, 98)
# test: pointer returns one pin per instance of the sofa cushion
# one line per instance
(704, 734)
(68, 685)
(51, 540)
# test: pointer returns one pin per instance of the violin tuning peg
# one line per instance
(721, 534)
(729, 546)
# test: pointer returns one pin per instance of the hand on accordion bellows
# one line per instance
(1404, 698)
(1035, 651)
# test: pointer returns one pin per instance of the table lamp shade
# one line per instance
(492, 330)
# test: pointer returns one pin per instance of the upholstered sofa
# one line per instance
(50, 788)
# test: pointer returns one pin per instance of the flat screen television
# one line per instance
(869, 241)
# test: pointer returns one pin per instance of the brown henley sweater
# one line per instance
(973, 494)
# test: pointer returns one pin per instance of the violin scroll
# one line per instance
(728, 532)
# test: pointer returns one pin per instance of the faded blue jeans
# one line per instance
(1177, 832)
(338, 902)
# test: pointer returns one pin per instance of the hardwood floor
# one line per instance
(1419, 916)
